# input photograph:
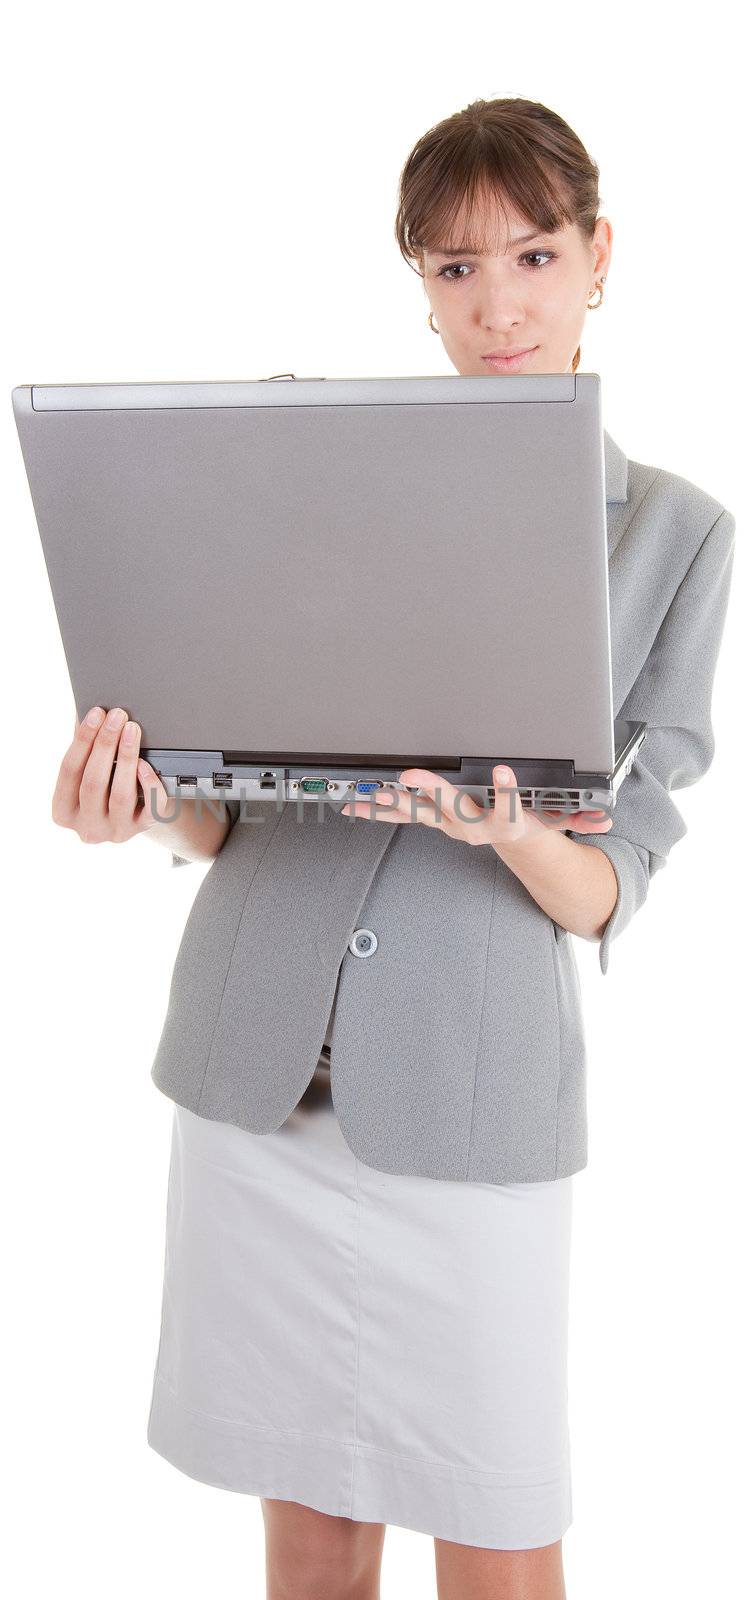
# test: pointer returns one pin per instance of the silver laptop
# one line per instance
(298, 588)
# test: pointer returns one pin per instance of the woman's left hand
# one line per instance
(505, 821)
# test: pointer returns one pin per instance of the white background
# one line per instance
(191, 193)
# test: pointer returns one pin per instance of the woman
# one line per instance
(365, 1305)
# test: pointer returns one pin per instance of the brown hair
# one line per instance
(511, 150)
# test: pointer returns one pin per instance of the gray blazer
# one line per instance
(458, 1047)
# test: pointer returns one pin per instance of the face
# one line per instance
(526, 292)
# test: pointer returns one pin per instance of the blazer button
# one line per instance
(363, 942)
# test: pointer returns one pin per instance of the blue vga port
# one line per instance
(366, 788)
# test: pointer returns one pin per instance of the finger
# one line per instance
(442, 804)
(508, 806)
(94, 796)
(384, 805)
(123, 798)
(575, 821)
(65, 797)
(157, 801)
(590, 822)
(511, 819)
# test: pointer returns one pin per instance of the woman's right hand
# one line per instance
(87, 801)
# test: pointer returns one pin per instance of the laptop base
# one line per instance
(258, 775)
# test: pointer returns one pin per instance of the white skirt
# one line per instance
(383, 1347)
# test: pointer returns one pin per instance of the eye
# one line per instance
(530, 256)
(443, 272)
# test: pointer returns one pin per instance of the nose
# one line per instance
(501, 317)
(501, 307)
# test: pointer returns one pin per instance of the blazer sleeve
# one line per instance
(672, 695)
(234, 807)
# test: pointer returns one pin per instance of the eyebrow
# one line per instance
(522, 238)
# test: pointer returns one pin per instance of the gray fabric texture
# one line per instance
(457, 1048)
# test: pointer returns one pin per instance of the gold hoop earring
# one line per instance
(600, 287)
(431, 324)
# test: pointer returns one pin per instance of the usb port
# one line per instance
(267, 780)
(184, 777)
(222, 780)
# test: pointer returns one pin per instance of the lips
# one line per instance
(511, 362)
(500, 355)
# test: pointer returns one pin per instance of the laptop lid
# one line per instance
(407, 570)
